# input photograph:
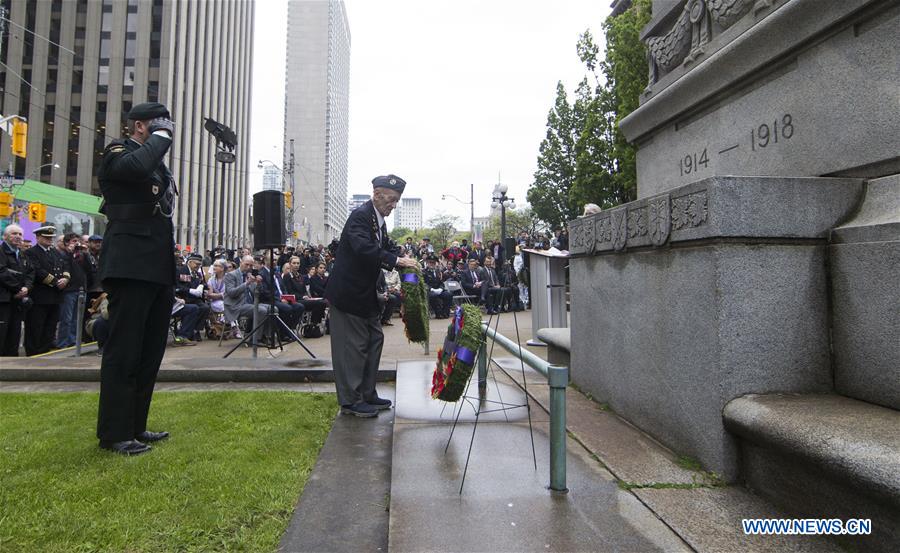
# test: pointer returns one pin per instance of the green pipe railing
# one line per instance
(558, 378)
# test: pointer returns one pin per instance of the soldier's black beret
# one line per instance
(147, 111)
(389, 181)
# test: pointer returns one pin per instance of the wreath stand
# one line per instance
(480, 404)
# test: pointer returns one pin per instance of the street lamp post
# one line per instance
(501, 200)
(38, 170)
(471, 204)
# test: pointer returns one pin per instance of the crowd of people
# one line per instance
(215, 292)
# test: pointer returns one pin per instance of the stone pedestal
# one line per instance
(685, 300)
(865, 280)
(768, 87)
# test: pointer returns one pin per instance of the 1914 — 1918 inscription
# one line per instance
(763, 136)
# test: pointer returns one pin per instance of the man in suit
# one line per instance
(290, 313)
(137, 269)
(472, 281)
(16, 281)
(50, 279)
(494, 292)
(240, 285)
(356, 336)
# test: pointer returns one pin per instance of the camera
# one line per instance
(254, 272)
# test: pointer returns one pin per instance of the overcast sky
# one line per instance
(442, 93)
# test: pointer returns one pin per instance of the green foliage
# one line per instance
(584, 157)
(443, 227)
(415, 306)
(471, 337)
(227, 479)
(399, 234)
(517, 220)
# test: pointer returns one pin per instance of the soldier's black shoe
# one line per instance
(379, 403)
(359, 409)
(128, 447)
(147, 437)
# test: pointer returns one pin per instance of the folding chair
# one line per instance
(453, 287)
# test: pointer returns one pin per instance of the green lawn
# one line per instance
(227, 479)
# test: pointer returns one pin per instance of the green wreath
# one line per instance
(415, 305)
(456, 359)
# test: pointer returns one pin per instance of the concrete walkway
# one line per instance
(627, 492)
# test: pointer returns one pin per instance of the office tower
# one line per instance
(357, 200)
(408, 214)
(316, 114)
(75, 68)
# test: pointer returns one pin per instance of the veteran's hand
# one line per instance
(407, 262)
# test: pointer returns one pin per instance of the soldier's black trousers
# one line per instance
(40, 328)
(139, 314)
(10, 328)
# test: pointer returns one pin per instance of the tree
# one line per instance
(443, 227)
(517, 220)
(399, 234)
(584, 157)
(549, 194)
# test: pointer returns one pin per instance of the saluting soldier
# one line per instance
(137, 269)
(50, 279)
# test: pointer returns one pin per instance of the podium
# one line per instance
(547, 291)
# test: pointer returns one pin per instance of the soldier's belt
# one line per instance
(116, 212)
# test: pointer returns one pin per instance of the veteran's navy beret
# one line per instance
(147, 111)
(389, 181)
(195, 257)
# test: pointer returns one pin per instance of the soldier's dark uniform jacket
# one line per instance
(186, 281)
(49, 266)
(14, 273)
(360, 259)
(138, 195)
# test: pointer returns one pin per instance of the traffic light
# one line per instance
(37, 213)
(6, 204)
(288, 200)
(19, 137)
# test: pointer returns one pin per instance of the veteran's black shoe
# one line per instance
(147, 437)
(359, 409)
(128, 447)
(379, 403)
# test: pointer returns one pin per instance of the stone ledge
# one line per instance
(560, 338)
(721, 207)
(878, 218)
(856, 442)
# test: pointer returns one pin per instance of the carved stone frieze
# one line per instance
(637, 222)
(603, 230)
(690, 211)
(659, 221)
(588, 239)
(619, 222)
(650, 222)
(695, 26)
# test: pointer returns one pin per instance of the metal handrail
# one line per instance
(558, 378)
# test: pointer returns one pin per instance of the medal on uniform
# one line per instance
(154, 189)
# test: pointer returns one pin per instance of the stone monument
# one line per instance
(762, 253)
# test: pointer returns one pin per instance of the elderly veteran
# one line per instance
(356, 336)
(137, 269)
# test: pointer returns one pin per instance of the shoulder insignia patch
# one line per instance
(116, 149)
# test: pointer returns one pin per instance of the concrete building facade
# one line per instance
(272, 178)
(357, 200)
(317, 88)
(75, 68)
(408, 214)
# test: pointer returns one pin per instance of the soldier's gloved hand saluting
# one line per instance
(162, 124)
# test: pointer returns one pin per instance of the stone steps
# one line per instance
(823, 456)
